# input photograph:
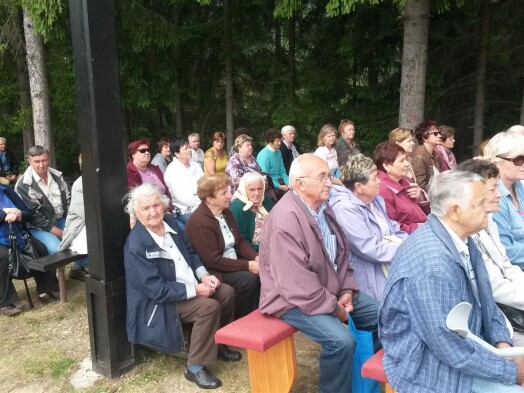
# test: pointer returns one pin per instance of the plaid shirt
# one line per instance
(427, 279)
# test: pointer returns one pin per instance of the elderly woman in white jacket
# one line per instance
(507, 280)
(181, 178)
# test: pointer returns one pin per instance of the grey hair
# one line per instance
(37, 150)
(505, 144)
(2, 139)
(297, 167)
(358, 169)
(193, 135)
(287, 129)
(144, 190)
(450, 187)
(517, 129)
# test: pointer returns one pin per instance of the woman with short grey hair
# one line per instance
(506, 151)
(167, 286)
(373, 237)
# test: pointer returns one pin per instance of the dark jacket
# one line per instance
(12, 163)
(287, 154)
(346, 150)
(152, 291)
(203, 231)
(19, 204)
(43, 213)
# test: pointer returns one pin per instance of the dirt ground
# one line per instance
(45, 350)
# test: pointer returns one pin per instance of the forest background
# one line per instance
(216, 65)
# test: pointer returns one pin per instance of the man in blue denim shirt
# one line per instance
(436, 268)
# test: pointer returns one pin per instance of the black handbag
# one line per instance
(19, 258)
(514, 315)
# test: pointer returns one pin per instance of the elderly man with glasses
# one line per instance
(436, 268)
(305, 276)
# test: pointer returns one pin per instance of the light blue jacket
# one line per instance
(367, 251)
(510, 224)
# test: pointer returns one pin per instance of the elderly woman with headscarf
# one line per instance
(214, 234)
(167, 285)
(250, 207)
(506, 151)
(373, 237)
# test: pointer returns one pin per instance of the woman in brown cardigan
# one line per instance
(214, 234)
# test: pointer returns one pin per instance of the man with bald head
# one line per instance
(305, 276)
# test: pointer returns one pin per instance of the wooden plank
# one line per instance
(50, 262)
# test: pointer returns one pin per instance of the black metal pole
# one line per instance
(104, 181)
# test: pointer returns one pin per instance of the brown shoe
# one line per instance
(47, 298)
(10, 310)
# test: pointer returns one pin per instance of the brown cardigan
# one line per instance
(203, 231)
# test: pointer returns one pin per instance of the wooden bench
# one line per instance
(373, 369)
(270, 348)
(56, 261)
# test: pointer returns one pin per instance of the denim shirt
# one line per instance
(510, 224)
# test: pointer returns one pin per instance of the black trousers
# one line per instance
(45, 281)
(247, 291)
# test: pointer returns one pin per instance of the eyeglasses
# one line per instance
(435, 133)
(321, 178)
(518, 161)
(144, 150)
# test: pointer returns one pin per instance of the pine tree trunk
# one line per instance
(24, 94)
(291, 68)
(38, 86)
(478, 124)
(228, 45)
(414, 63)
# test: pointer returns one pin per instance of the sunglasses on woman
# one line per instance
(144, 150)
(518, 161)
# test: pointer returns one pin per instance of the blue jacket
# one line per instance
(367, 251)
(510, 224)
(152, 289)
(427, 279)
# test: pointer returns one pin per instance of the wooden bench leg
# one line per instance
(273, 371)
(389, 388)
(61, 284)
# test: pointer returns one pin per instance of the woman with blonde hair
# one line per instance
(506, 151)
(215, 158)
(326, 150)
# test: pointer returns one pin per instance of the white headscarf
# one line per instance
(241, 192)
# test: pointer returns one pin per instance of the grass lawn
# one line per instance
(42, 349)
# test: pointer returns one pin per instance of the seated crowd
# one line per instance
(393, 241)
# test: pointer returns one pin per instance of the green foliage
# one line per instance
(45, 15)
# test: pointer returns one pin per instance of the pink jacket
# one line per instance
(399, 206)
(295, 270)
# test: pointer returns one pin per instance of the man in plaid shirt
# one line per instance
(436, 268)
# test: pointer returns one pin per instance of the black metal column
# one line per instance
(104, 180)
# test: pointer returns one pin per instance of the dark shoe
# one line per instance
(49, 297)
(204, 379)
(224, 353)
(10, 310)
(78, 274)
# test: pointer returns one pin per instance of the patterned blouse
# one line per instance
(237, 167)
